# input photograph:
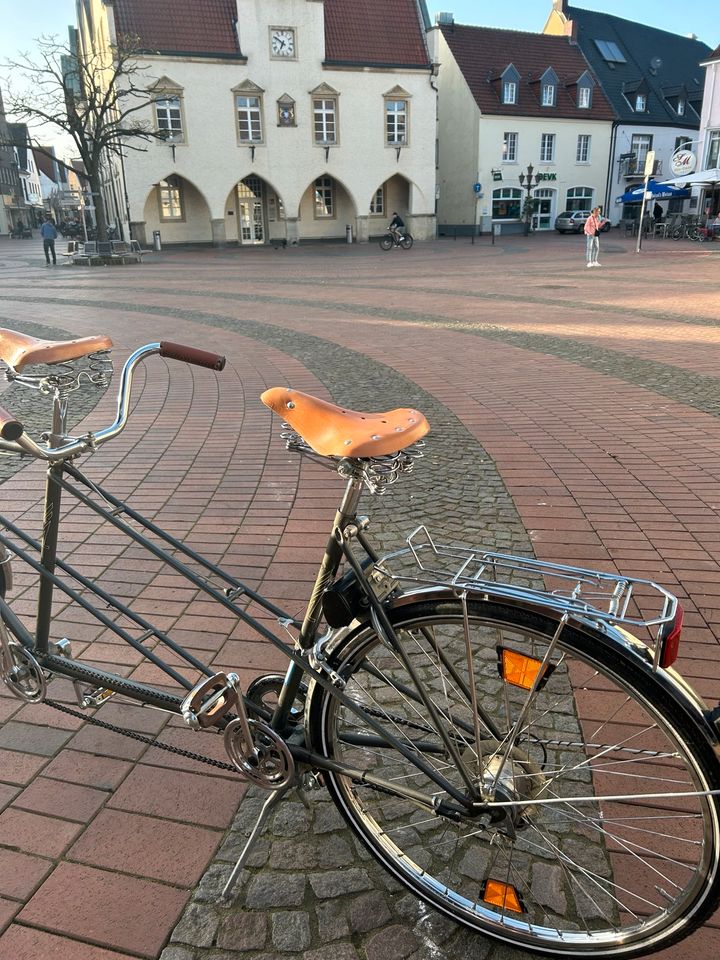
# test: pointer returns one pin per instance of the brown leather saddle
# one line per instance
(334, 431)
(19, 350)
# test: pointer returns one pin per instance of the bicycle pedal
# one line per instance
(210, 700)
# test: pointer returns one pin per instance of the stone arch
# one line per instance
(255, 212)
(326, 208)
(179, 209)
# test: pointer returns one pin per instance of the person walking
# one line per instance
(49, 235)
(593, 226)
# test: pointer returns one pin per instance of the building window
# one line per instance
(510, 143)
(548, 95)
(509, 91)
(377, 204)
(396, 112)
(579, 198)
(169, 118)
(547, 148)
(640, 145)
(583, 148)
(583, 100)
(506, 203)
(640, 102)
(170, 199)
(681, 108)
(610, 51)
(713, 153)
(249, 114)
(324, 198)
(325, 120)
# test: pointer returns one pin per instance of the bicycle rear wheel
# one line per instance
(579, 876)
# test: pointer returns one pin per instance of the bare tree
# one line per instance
(93, 97)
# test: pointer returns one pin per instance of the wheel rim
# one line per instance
(612, 876)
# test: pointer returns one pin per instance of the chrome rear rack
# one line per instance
(593, 593)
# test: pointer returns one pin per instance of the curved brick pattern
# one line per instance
(590, 394)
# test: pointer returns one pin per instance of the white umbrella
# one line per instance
(701, 177)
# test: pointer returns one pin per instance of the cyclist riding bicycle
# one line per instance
(397, 226)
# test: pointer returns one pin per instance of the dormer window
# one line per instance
(681, 108)
(510, 80)
(583, 100)
(509, 91)
(640, 102)
(548, 88)
(548, 95)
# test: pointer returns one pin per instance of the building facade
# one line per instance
(13, 209)
(282, 120)
(654, 82)
(508, 101)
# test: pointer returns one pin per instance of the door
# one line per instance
(545, 209)
(250, 211)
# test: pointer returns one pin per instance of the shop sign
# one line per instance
(546, 176)
(683, 163)
(496, 174)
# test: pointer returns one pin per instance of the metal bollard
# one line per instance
(348, 233)
(157, 245)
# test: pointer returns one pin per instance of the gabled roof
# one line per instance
(715, 55)
(664, 59)
(483, 54)
(375, 32)
(176, 27)
(362, 32)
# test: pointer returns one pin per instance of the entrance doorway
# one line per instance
(250, 211)
(544, 209)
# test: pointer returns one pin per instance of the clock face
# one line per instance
(282, 43)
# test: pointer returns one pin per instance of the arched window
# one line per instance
(579, 198)
(507, 202)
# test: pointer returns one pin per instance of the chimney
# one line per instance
(571, 31)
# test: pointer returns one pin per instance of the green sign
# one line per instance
(497, 174)
(546, 176)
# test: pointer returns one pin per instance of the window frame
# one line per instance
(583, 198)
(547, 139)
(507, 195)
(171, 183)
(248, 96)
(374, 210)
(584, 140)
(548, 95)
(167, 98)
(389, 115)
(329, 185)
(506, 142)
(584, 94)
(324, 112)
(713, 150)
(509, 86)
(640, 102)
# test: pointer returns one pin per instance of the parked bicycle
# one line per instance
(488, 725)
(390, 240)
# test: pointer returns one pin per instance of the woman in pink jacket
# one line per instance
(593, 225)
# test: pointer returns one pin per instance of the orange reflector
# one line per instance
(517, 669)
(502, 895)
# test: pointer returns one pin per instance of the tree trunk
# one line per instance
(98, 202)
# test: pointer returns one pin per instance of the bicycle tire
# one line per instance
(386, 242)
(589, 877)
(406, 242)
(677, 233)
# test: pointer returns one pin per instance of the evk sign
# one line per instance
(683, 162)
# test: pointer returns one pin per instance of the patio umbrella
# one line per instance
(658, 191)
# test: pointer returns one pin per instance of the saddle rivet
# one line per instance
(290, 405)
(375, 436)
(348, 442)
(398, 429)
(412, 420)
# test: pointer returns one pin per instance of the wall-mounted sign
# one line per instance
(477, 187)
(496, 174)
(546, 176)
(683, 162)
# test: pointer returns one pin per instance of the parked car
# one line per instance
(572, 221)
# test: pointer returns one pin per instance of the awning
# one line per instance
(657, 191)
(706, 177)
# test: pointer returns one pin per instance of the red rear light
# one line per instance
(669, 639)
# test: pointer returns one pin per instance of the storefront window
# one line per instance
(507, 203)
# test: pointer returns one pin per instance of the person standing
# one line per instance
(49, 235)
(593, 226)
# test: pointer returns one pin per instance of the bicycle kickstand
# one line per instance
(267, 808)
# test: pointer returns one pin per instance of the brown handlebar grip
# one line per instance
(10, 428)
(201, 358)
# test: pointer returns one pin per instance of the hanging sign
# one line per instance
(683, 163)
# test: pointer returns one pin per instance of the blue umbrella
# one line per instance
(658, 191)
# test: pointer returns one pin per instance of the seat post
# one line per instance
(59, 417)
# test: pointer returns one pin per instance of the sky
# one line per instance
(22, 22)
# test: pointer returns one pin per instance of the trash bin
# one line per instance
(157, 245)
(348, 233)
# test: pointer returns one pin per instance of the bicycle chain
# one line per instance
(133, 735)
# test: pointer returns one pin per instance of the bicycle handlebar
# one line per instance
(201, 358)
(10, 428)
(13, 433)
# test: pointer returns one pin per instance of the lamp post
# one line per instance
(527, 181)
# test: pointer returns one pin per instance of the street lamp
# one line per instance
(527, 181)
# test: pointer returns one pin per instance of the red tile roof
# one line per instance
(196, 27)
(387, 32)
(483, 54)
(363, 32)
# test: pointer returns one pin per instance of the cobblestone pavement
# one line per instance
(572, 416)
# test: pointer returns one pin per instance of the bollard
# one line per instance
(157, 245)
(348, 233)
